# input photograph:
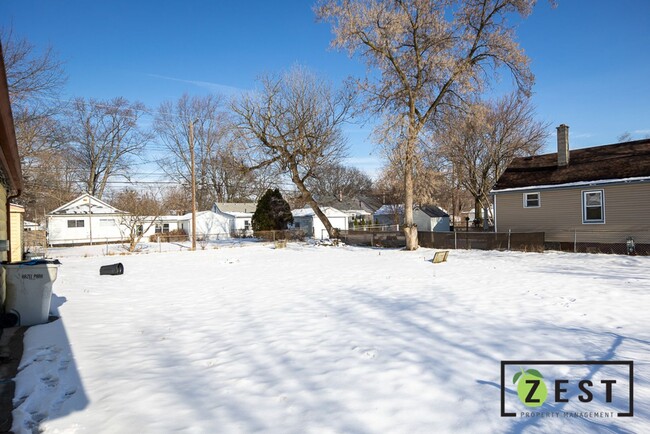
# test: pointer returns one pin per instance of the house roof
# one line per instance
(433, 211)
(200, 214)
(327, 210)
(246, 207)
(390, 210)
(85, 203)
(600, 163)
(365, 203)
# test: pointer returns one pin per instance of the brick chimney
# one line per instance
(563, 145)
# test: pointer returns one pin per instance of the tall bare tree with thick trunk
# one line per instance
(429, 55)
(294, 124)
(481, 142)
(104, 137)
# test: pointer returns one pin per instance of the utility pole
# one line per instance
(193, 186)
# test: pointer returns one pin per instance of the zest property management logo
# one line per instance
(574, 388)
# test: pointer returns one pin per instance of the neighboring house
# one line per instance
(430, 218)
(239, 214)
(307, 220)
(601, 192)
(359, 209)
(209, 225)
(389, 215)
(31, 226)
(88, 220)
(11, 179)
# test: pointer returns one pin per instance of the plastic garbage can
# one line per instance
(29, 289)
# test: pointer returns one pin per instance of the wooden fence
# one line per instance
(533, 241)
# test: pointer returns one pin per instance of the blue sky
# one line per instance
(590, 57)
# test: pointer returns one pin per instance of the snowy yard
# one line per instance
(314, 339)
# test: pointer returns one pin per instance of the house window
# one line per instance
(164, 228)
(247, 224)
(139, 230)
(75, 223)
(593, 206)
(532, 200)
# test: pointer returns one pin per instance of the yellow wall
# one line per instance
(3, 236)
(16, 236)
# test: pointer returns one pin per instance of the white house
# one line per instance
(88, 220)
(430, 218)
(239, 214)
(209, 225)
(307, 220)
(32, 226)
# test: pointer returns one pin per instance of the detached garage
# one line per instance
(430, 218)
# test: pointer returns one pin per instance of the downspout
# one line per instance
(18, 193)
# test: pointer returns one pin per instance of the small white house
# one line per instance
(307, 220)
(239, 214)
(430, 218)
(209, 225)
(84, 220)
(88, 220)
(32, 226)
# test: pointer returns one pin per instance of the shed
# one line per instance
(430, 218)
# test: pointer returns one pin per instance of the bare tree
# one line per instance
(338, 181)
(104, 137)
(34, 78)
(480, 144)
(429, 54)
(217, 154)
(294, 124)
(30, 74)
(424, 170)
(143, 211)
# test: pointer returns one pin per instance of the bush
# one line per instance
(168, 237)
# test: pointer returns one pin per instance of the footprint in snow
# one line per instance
(367, 353)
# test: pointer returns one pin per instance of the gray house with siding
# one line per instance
(593, 195)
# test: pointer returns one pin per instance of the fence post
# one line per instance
(575, 241)
(509, 230)
(372, 239)
(455, 240)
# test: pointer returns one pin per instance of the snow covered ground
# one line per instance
(315, 339)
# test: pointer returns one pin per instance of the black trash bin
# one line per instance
(112, 270)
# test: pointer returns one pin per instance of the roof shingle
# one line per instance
(617, 161)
